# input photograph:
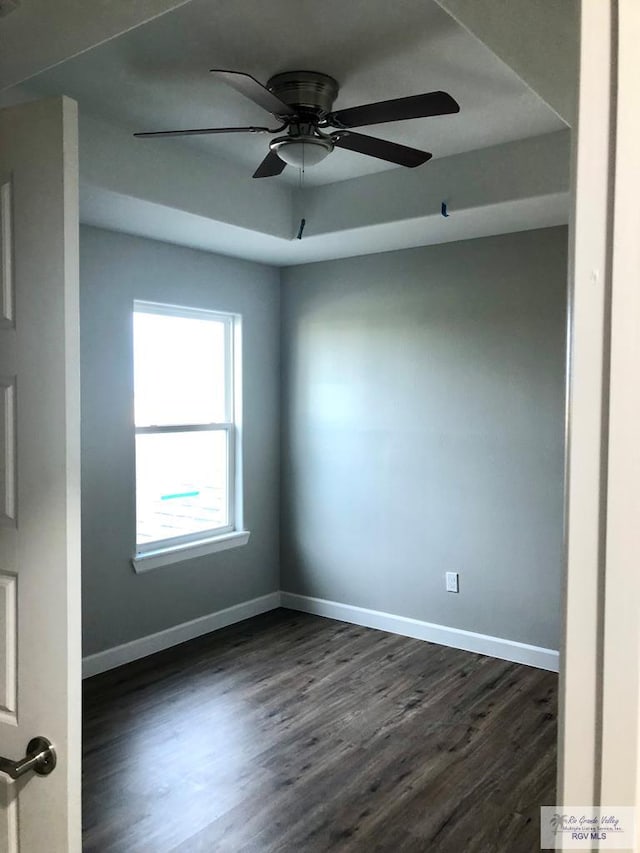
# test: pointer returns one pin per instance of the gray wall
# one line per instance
(423, 408)
(115, 269)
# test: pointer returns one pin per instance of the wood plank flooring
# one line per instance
(290, 733)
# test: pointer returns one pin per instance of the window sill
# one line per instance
(178, 554)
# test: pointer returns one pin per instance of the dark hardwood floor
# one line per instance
(298, 734)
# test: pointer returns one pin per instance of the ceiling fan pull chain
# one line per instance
(301, 172)
(303, 221)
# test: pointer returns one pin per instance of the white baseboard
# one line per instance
(456, 638)
(111, 658)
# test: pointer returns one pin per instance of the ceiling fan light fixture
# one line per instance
(302, 151)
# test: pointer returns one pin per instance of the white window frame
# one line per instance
(161, 552)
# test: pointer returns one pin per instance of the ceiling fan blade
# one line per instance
(393, 152)
(271, 165)
(398, 109)
(255, 91)
(204, 131)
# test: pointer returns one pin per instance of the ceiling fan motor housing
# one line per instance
(307, 91)
(311, 94)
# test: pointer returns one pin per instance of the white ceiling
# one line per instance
(39, 34)
(156, 76)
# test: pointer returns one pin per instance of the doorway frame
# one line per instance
(598, 761)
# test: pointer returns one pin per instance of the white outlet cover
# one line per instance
(452, 582)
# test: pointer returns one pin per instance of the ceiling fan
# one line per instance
(302, 102)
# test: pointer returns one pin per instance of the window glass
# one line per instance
(182, 482)
(184, 424)
(179, 370)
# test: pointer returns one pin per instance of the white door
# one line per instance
(40, 652)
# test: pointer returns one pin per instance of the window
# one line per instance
(186, 402)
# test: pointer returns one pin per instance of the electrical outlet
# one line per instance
(452, 582)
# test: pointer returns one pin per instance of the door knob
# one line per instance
(40, 757)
